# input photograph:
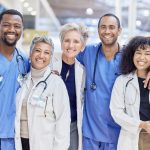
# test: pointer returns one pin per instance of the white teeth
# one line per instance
(141, 63)
(11, 36)
(107, 37)
(39, 61)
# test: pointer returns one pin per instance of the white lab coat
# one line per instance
(80, 84)
(49, 122)
(124, 105)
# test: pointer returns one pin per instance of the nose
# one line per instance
(142, 56)
(11, 28)
(107, 30)
(71, 44)
(41, 54)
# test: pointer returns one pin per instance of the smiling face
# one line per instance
(11, 28)
(40, 55)
(108, 30)
(141, 59)
(72, 44)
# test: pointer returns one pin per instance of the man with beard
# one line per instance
(101, 62)
(13, 64)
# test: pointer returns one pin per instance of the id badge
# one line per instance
(39, 101)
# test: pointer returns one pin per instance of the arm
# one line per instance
(62, 114)
(117, 107)
(83, 87)
(80, 56)
(145, 125)
(147, 81)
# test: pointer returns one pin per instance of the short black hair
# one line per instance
(110, 15)
(127, 65)
(11, 12)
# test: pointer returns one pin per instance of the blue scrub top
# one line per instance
(97, 120)
(8, 88)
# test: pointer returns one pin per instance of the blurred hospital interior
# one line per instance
(47, 16)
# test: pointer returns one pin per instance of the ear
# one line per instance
(120, 30)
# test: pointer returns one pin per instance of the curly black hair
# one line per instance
(127, 65)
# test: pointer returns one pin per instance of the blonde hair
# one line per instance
(74, 27)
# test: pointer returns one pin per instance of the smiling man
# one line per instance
(101, 61)
(12, 64)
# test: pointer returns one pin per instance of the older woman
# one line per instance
(43, 112)
(73, 38)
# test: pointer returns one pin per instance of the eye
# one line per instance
(37, 50)
(17, 26)
(137, 52)
(111, 27)
(66, 40)
(103, 27)
(76, 41)
(147, 53)
(47, 52)
(6, 25)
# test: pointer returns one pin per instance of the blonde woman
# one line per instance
(73, 38)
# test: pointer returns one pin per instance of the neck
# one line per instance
(67, 60)
(110, 50)
(141, 73)
(36, 73)
(7, 51)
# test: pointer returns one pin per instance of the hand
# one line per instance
(147, 81)
(55, 72)
(145, 125)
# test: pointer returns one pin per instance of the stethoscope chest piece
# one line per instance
(93, 86)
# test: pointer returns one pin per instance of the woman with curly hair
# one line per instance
(130, 101)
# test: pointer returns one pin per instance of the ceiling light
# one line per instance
(33, 13)
(146, 13)
(89, 11)
(30, 9)
(138, 23)
(26, 4)
(22, 0)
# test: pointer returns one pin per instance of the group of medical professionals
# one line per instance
(88, 97)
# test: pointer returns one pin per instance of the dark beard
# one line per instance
(5, 41)
(8, 43)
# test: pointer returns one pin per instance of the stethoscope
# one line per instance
(93, 84)
(19, 57)
(125, 93)
(44, 83)
(41, 102)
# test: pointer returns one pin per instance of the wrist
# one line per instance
(142, 125)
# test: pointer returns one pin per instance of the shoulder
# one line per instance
(88, 52)
(55, 76)
(92, 46)
(124, 78)
(22, 53)
(77, 63)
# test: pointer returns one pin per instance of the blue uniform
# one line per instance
(98, 124)
(8, 87)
